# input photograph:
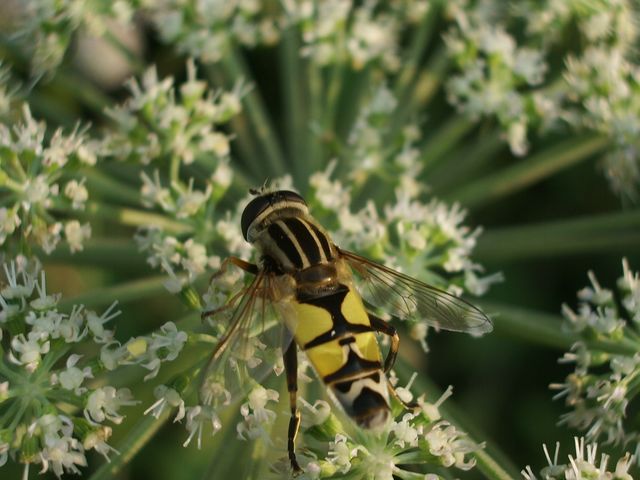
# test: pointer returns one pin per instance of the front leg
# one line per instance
(242, 264)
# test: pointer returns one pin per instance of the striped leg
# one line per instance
(291, 367)
(381, 326)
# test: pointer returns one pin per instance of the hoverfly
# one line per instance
(310, 282)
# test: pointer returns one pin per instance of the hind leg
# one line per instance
(380, 326)
(291, 368)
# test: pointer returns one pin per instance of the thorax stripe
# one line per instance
(324, 241)
(308, 244)
(285, 242)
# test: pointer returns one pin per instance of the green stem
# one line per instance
(110, 187)
(462, 164)
(316, 147)
(417, 48)
(235, 68)
(414, 94)
(23, 405)
(174, 169)
(134, 218)
(605, 232)
(430, 78)
(295, 118)
(136, 438)
(490, 467)
(244, 142)
(125, 292)
(105, 252)
(444, 140)
(84, 90)
(525, 172)
(545, 329)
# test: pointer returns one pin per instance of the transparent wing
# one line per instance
(250, 345)
(407, 298)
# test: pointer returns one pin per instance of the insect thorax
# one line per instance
(294, 243)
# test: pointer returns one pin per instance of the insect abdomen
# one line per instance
(335, 332)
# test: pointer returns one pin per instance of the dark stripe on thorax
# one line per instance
(308, 244)
(285, 244)
(324, 241)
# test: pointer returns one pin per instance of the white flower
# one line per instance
(17, 289)
(406, 434)
(77, 193)
(315, 414)
(190, 201)
(97, 440)
(341, 454)
(29, 350)
(44, 301)
(163, 346)
(76, 234)
(153, 193)
(167, 397)
(196, 418)
(104, 403)
(72, 377)
(256, 416)
(62, 455)
(96, 323)
(9, 221)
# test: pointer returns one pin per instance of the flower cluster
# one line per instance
(597, 91)
(496, 75)
(47, 27)
(167, 126)
(359, 34)
(40, 337)
(607, 365)
(161, 122)
(207, 31)
(585, 463)
(379, 148)
(39, 181)
(36, 428)
(601, 86)
(202, 394)
(335, 450)
(605, 86)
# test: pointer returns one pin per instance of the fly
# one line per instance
(310, 282)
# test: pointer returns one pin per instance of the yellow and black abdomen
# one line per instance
(335, 332)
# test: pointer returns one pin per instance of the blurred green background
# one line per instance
(500, 381)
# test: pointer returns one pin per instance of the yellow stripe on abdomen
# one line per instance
(353, 309)
(327, 358)
(310, 322)
(367, 345)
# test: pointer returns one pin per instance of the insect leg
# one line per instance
(291, 367)
(238, 262)
(381, 326)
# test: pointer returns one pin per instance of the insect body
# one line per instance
(311, 282)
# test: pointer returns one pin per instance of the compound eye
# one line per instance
(253, 209)
(273, 201)
(290, 197)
